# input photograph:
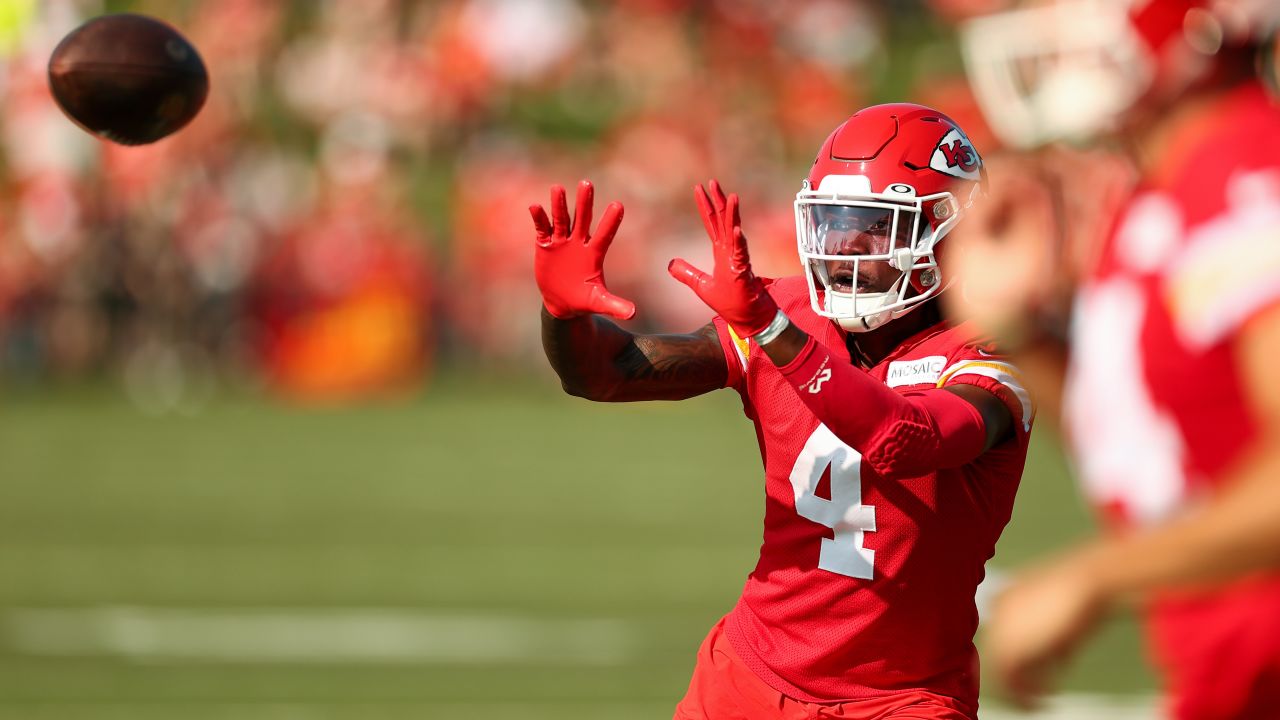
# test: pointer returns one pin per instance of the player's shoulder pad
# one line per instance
(977, 365)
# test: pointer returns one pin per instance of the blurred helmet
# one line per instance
(885, 189)
(1071, 69)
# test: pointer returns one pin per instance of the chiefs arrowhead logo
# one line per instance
(956, 157)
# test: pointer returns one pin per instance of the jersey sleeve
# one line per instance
(736, 351)
(1225, 270)
(1230, 269)
(976, 365)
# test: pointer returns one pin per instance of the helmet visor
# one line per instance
(871, 232)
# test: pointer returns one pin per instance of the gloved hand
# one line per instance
(568, 262)
(731, 289)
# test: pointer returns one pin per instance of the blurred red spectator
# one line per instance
(469, 108)
(343, 305)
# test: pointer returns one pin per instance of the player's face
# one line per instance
(860, 231)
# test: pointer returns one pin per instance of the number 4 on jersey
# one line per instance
(844, 513)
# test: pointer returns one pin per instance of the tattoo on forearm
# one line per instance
(694, 361)
(597, 359)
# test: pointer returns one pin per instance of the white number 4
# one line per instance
(844, 513)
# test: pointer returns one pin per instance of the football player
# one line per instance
(1171, 399)
(892, 441)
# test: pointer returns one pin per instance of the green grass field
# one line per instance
(556, 559)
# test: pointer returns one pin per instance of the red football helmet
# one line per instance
(1070, 69)
(885, 189)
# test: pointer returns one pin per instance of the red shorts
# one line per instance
(724, 688)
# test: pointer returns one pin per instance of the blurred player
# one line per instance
(892, 441)
(1171, 399)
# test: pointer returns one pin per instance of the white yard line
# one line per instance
(1083, 707)
(390, 636)
(331, 635)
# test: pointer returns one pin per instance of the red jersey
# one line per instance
(881, 600)
(1155, 405)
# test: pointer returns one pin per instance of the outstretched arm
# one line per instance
(595, 358)
(898, 435)
(598, 360)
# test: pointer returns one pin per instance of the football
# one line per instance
(128, 78)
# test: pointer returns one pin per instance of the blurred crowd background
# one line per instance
(349, 210)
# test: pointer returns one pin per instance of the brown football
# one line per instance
(128, 78)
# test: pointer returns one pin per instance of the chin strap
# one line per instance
(846, 306)
(861, 324)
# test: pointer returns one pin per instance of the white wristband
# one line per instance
(779, 323)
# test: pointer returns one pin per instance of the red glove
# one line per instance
(569, 264)
(732, 290)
